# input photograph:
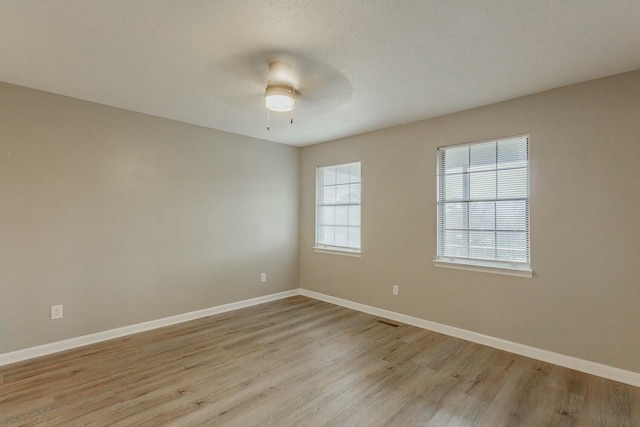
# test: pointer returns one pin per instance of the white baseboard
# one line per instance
(598, 369)
(68, 344)
(593, 368)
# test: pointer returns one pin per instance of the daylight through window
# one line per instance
(483, 203)
(338, 193)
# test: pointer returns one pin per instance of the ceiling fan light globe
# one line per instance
(279, 98)
(279, 103)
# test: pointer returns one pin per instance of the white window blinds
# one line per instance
(483, 203)
(338, 192)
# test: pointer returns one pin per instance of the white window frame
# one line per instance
(521, 269)
(328, 248)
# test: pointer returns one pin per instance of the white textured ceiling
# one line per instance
(363, 64)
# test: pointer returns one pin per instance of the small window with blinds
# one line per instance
(483, 206)
(338, 194)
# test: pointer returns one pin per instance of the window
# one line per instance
(338, 191)
(483, 206)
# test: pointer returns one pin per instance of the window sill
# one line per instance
(335, 251)
(484, 268)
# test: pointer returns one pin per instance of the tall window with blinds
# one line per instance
(483, 204)
(338, 194)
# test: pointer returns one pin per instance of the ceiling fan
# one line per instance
(280, 81)
(280, 93)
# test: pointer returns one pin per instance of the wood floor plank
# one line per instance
(299, 361)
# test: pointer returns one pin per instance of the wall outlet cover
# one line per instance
(56, 312)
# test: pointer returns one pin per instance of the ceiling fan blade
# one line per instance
(324, 94)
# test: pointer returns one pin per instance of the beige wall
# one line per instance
(585, 226)
(124, 218)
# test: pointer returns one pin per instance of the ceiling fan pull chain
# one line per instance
(268, 120)
(294, 95)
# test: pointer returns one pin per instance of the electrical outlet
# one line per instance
(56, 312)
(263, 277)
(395, 289)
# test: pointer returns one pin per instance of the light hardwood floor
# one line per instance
(297, 362)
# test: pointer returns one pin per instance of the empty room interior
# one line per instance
(322, 213)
